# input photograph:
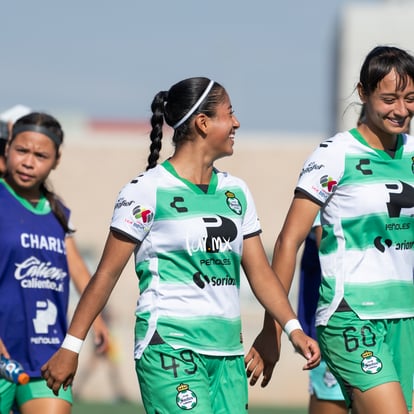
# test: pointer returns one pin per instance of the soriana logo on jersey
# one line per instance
(142, 216)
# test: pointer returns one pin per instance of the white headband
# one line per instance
(195, 106)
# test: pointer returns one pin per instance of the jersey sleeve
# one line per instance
(134, 210)
(322, 171)
(251, 222)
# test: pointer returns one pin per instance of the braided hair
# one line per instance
(174, 105)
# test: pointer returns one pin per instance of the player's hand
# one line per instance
(3, 349)
(307, 347)
(101, 335)
(262, 358)
(60, 370)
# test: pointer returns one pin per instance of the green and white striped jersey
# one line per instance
(188, 263)
(367, 247)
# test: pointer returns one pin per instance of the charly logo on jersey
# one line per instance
(233, 202)
(32, 273)
(177, 204)
(328, 182)
(42, 242)
(370, 364)
(362, 166)
(142, 216)
(186, 399)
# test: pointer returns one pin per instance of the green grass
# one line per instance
(130, 408)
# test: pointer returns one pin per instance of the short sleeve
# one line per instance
(251, 222)
(134, 210)
(322, 171)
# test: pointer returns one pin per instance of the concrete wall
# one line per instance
(93, 169)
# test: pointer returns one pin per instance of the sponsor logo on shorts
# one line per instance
(186, 399)
(370, 364)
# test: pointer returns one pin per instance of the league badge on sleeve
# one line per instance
(142, 216)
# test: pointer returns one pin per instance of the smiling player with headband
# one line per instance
(191, 228)
(362, 182)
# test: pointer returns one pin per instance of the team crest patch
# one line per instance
(186, 399)
(233, 202)
(370, 363)
(329, 379)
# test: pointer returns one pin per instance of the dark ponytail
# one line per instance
(157, 121)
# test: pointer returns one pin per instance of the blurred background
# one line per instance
(290, 67)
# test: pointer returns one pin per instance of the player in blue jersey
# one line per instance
(37, 255)
(326, 396)
(362, 182)
(4, 135)
(7, 118)
(191, 228)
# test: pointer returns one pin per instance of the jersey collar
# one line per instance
(42, 207)
(383, 154)
(211, 187)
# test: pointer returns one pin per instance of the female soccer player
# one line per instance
(191, 228)
(362, 181)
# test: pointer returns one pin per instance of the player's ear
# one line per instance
(57, 161)
(201, 122)
(361, 93)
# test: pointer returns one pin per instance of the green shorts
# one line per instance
(11, 393)
(175, 380)
(323, 384)
(7, 395)
(363, 354)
